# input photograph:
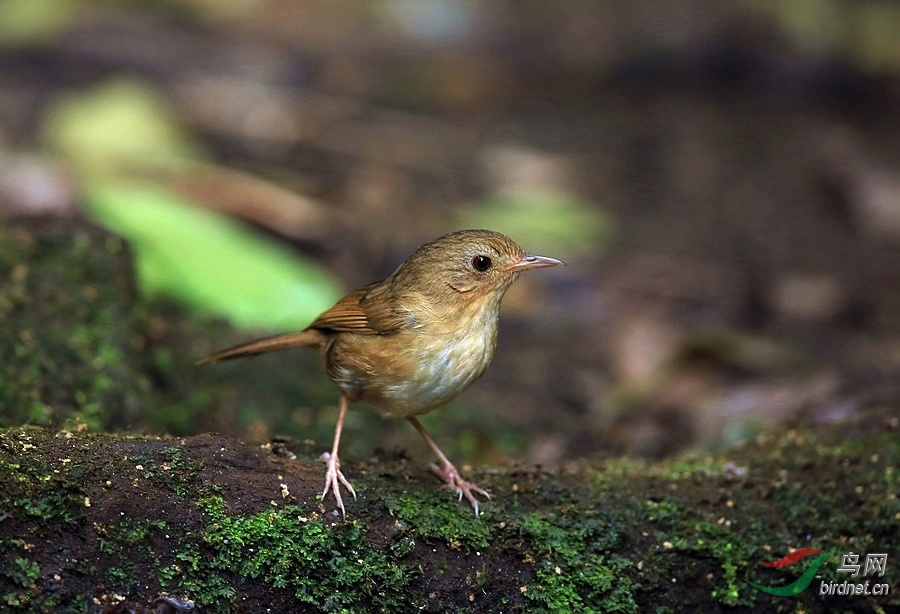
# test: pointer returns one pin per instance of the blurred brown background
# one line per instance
(721, 177)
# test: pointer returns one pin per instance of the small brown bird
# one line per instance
(412, 342)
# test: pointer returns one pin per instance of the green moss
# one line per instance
(21, 571)
(329, 567)
(576, 566)
(128, 544)
(167, 467)
(37, 488)
(807, 492)
(732, 554)
(122, 579)
(68, 354)
(440, 518)
(128, 535)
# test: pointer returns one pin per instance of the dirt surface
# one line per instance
(117, 524)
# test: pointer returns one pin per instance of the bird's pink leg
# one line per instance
(448, 472)
(333, 476)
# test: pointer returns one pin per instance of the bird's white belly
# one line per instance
(453, 365)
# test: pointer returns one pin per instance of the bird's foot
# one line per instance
(334, 479)
(460, 486)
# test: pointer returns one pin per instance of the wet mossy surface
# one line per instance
(68, 305)
(93, 521)
(83, 350)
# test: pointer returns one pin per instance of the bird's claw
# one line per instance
(334, 479)
(460, 486)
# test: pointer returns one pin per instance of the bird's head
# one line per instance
(470, 264)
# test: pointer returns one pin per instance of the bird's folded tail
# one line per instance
(310, 337)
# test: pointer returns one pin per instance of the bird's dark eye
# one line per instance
(481, 263)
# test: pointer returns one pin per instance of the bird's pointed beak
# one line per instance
(530, 261)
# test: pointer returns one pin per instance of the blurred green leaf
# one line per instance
(120, 123)
(215, 264)
(555, 222)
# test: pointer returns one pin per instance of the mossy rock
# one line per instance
(70, 351)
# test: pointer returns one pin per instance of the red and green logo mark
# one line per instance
(800, 584)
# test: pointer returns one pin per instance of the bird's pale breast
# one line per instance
(428, 370)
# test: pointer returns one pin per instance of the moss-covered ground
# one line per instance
(93, 521)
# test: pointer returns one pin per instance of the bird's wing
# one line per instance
(368, 311)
